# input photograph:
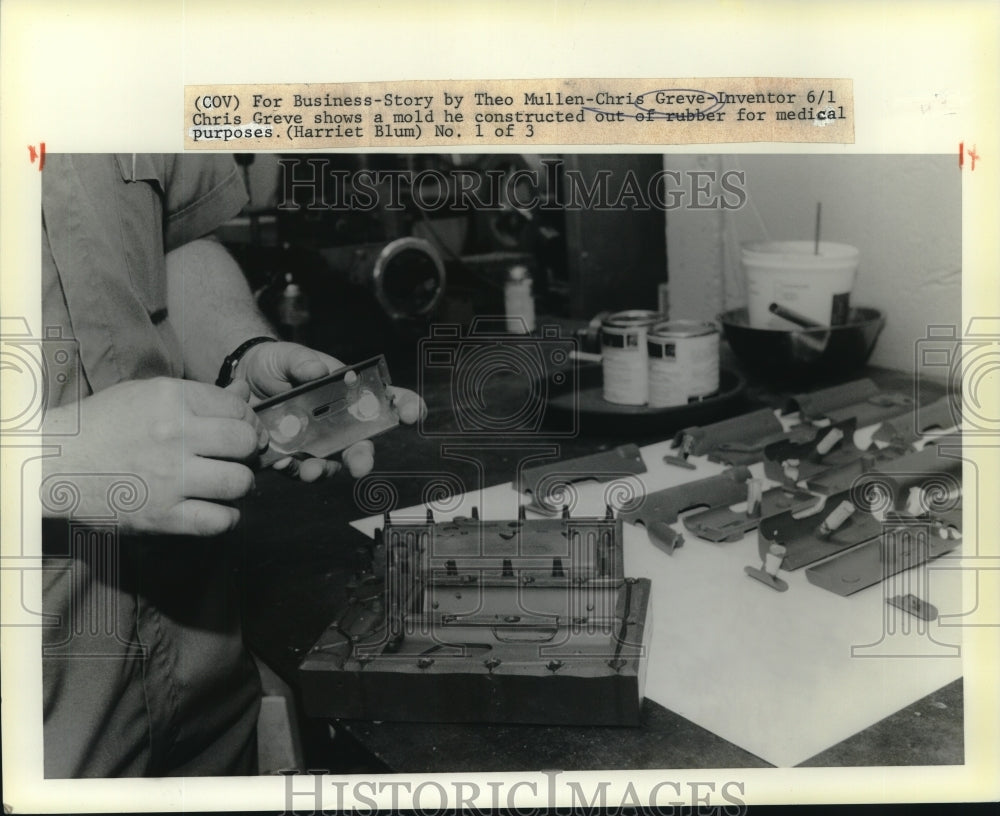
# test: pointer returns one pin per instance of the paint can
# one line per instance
(624, 356)
(683, 362)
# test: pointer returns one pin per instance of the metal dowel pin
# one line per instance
(790, 469)
(825, 445)
(754, 497)
(841, 513)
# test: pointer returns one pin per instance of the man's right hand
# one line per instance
(187, 441)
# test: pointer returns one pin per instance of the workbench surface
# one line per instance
(300, 552)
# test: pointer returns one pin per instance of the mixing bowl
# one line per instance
(803, 355)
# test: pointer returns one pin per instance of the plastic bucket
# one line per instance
(789, 285)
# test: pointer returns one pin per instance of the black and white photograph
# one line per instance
(411, 479)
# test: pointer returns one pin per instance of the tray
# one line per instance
(596, 415)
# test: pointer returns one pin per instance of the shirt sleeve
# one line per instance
(201, 193)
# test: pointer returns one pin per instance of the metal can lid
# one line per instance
(631, 318)
(681, 328)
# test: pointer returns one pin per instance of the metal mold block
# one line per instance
(523, 620)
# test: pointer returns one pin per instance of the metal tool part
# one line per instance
(836, 479)
(930, 467)
(544, 482)
(725, 524)
(829, 447)
(900, 547)
(861, 400)
(683, 454)
(914, 605)
(743, 437)
(664, 537)
(767, 572)
(902, 432)
(328, 415)
(806, 540)
(657, 510)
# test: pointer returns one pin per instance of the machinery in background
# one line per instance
(380, 245)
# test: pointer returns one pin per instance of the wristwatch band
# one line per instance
(229, 364)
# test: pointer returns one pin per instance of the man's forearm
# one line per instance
(210, 306)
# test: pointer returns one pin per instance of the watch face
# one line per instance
(229, 364)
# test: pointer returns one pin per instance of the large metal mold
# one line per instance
(524, 620)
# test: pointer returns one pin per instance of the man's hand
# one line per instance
(271, 368)
(187, 441)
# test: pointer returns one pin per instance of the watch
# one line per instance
(229, 364)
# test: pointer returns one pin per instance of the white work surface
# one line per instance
(784, 675)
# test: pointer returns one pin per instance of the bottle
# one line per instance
(519, 305)
(293, 312)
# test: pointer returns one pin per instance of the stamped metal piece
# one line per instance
(930, 468)
(902, 432)
(804, 537)
(328, 415)
(544, 481)
(826, 448)
(914, 605)
(665, 537)
(900, 547)
(861, 400)
(725, 524)
(665, 506)
(739, 440)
